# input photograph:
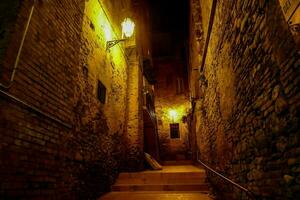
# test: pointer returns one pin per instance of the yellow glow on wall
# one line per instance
(105, 26)
(108, 66)
(127, 27)
(117, 56)
(107, 32)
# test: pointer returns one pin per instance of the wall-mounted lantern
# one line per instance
(127, 31)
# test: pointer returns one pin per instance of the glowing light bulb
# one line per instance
(128, 27)
(173, 114)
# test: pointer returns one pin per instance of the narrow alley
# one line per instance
(150, 99)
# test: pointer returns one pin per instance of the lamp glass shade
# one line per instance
(128, 27)
(173, 114)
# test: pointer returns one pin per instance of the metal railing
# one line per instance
(35, 109)
(248, 192)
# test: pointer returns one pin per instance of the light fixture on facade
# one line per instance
(127, 31)
(173, 115)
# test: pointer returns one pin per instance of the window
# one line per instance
(101, 92)
(174, 131)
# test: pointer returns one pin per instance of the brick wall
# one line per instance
(246, 119)
(63, 59)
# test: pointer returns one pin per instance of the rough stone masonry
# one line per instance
(247, 113)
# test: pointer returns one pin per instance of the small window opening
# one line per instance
(101, 92)
(174, 131)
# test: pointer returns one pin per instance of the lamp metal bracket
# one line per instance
(112, 43)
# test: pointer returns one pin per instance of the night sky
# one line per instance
(169, 16)
(169, 20)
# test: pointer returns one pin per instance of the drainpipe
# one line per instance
(19, 50)
(35, 109)
(209, 30)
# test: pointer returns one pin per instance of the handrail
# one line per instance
(35, 109)
(248, 192)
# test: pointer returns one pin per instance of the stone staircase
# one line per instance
(184, 182)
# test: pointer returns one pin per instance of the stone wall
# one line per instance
(134, 126)
(247, 114)
(77, 154)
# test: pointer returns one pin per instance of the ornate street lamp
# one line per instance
(127, 31)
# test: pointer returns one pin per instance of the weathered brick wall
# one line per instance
(247, 115)
(62, 60)
(166, 99)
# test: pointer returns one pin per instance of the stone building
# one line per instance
(244, 69)
(214, 81)
(72, 115)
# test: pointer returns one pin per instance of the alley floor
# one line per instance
(181, 182)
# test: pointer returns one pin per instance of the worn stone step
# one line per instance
(171, 178)
(156, 196)
(160, 180)
(177, 162)
(184, 171)
(162, 176)
(160, 187)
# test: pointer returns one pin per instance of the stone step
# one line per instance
(160, 187)
(156, 196)
(164, 179)
(171, 178)
(162, 176)
(177, 162)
